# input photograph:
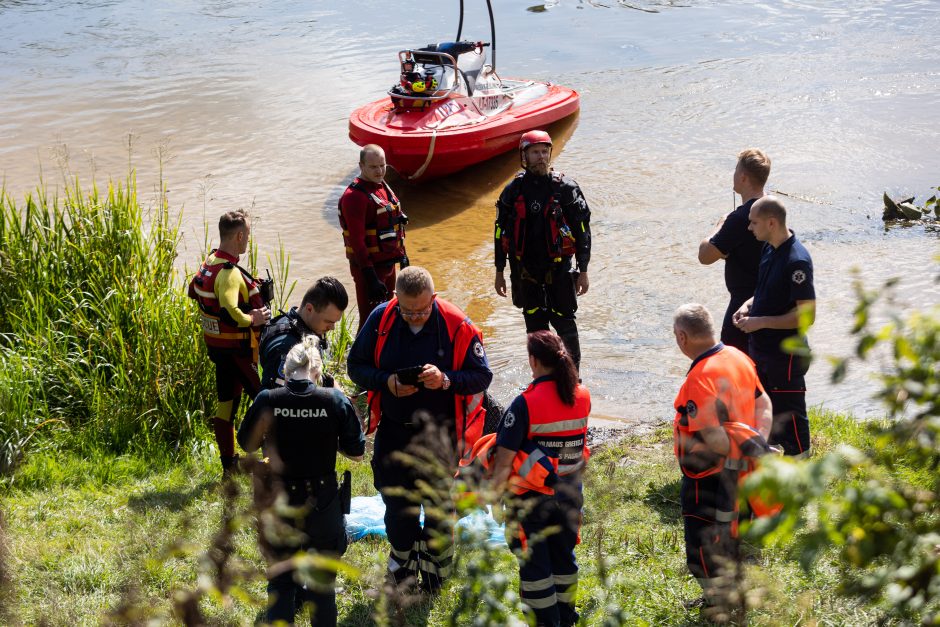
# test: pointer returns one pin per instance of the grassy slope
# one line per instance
(83, 536)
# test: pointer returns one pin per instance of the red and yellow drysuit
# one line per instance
(226, 294)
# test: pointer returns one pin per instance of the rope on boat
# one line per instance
(427, 161)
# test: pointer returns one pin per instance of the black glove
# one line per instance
(375, 289)
(404, 263)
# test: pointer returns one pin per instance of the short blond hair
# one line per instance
(756, 164)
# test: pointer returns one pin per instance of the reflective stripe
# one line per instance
(735, 464)
(566, 580)
(561, 425)
(422, 547)
(540, 604)
(401, 555)
(804, 455)
(567, 469)
(723, 516)
(533, 310)
(530, 463)
(204, 293)
(434, 569)
(534, 586)
(566, 597)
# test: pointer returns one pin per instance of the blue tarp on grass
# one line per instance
(368, 514)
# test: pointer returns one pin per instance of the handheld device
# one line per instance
(409, 376)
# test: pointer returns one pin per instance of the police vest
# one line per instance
(385, 226)
(303, 434)
(559, 240)
(218, 328)
(557, 427)
(534, 469)
(469, 412)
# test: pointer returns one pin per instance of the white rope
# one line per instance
(427, 161)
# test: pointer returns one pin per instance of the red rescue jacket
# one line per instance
(218, 328)
(469, 413)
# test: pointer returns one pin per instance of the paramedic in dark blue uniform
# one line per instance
(543, 228)
(784, 293)
(734, 242)
(300, 427)
(321, 308)
(420, 421)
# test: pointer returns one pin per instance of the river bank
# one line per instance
(105, 538)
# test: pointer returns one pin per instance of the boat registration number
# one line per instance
(447, 109)
(489, 102)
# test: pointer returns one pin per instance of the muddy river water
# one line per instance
(248, 102)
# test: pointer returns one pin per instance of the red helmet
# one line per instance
(530, 139)
(534, 137)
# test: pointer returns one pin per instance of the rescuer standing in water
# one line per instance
(373, 231)
(542, 222)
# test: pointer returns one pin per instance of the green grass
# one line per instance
(89, 536)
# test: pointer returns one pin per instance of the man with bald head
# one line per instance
(784, 294)
(373, 231)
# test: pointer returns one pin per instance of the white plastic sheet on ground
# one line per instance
(367, 518)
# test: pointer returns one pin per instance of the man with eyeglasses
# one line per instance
(422, 361)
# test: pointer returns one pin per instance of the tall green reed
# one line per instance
(96, 333)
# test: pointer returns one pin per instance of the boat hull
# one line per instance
(427, 144)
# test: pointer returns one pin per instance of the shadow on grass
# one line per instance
(362, 613)
(664, 500)
(171, 499)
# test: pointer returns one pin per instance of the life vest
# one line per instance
(469, 413)
(557, 427)
(219, 329)
(534, 469)
(385, 226)
(559, 240)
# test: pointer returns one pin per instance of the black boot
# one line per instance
(230, 465)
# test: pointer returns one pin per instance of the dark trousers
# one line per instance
(783, 378)
(235, 372)
(316, 518)
(730, 334)
(708, 514)
(543, 533)
(418, 552)
(386, 274)
(549, 298)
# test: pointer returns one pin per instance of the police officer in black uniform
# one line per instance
(543, 221)
(300, 427)
(321, 308)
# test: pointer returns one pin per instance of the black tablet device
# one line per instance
(409, 376)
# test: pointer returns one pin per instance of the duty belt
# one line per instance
(302, 489)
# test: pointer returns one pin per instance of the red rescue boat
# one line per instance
(451, 110)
